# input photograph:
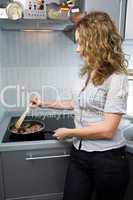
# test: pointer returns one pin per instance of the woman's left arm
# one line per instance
(100, 130)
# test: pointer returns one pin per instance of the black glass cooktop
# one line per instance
(51, 123)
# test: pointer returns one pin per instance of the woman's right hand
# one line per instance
(35, 102)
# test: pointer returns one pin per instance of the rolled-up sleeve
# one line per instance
(116, 100)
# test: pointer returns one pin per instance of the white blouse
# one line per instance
(91, 104)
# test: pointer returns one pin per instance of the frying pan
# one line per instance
(26, 136)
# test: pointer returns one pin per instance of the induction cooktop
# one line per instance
(51, 123)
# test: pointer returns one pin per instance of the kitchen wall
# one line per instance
(1, 107)
(30, 60)
(129, 25)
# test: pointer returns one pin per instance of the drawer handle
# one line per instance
(46, 157)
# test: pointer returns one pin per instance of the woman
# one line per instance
(98, 161)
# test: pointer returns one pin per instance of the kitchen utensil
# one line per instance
(21, 119)
(57, 11)
(14, 10)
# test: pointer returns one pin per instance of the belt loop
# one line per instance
(80, 144)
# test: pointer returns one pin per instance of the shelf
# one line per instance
(36, 24)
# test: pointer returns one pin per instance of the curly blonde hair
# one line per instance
(101, 45)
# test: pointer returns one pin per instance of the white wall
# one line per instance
(129, 23)
(1, 107)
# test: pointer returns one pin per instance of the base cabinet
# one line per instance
(39, 174)
(129, 192)
(34, 175)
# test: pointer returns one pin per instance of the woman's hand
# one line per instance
(35, 102)
(61, 133)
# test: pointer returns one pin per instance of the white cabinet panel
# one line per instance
(129, 17)
(115, 8)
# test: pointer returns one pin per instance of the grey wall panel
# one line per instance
(49, 83)
(33, 78)
(37, 49)
(33, 60)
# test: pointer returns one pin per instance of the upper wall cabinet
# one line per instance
(116, 8)
(129, 17)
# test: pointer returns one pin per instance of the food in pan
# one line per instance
(27, 128)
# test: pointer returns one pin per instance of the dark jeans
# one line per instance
(104, 173)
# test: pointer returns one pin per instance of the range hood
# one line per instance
(22, 24)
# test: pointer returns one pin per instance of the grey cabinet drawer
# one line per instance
(36, 172)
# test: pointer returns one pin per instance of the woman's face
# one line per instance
(78, 48)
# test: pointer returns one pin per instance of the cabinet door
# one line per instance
(1, 181)
(115, 8)
(129, 192)
(129, 17)
(31, 173)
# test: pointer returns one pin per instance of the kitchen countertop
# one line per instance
(28, 145)
(40, 144)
